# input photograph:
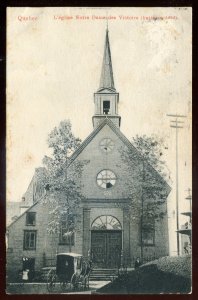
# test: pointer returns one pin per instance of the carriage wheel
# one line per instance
(64, 285)
(74, 281)
(51, 280)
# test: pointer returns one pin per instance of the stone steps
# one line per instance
(103, 274)
(96, 274)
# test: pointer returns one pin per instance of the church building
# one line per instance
(111, 229)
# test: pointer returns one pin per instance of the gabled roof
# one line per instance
(20, 216)
(12, 211)
(95, 132)
(117, 131)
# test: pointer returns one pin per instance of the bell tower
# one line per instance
(106, 98)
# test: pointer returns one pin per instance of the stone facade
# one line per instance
(108, 227)
(98, 202)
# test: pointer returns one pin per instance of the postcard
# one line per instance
(99, 142)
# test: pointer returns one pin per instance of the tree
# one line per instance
(147, 186)
(62, 181)
(152, 150)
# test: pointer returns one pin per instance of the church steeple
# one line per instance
(106, 98)
(106, 79)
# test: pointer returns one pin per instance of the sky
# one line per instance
(54, 59)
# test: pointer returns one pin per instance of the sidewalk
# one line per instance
(93, 286)
(41, 288)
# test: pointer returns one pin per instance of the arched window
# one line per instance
(106, 223)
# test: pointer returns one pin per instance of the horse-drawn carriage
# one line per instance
(72, 271)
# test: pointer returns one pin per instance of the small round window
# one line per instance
(107, 145)
(106, 179)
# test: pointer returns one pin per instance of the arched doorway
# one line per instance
(106, 242)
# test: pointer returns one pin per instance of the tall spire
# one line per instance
(106, 79)
(106, 98)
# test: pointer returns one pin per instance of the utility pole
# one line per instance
(177, 124)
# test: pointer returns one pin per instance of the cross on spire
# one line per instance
(106, 79)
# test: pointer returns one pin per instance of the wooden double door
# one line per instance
(106, 248)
